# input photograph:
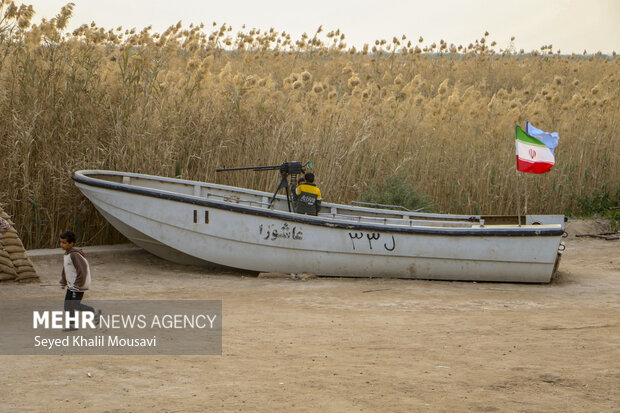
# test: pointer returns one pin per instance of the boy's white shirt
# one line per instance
(71, 273)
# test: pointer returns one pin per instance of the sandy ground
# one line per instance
(348, 345)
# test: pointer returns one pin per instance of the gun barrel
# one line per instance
(253, 168)
(293, 168)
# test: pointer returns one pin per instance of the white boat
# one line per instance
(199, 223)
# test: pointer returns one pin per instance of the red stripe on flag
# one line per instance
(533, 167)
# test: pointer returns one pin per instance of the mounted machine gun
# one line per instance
(287, 169)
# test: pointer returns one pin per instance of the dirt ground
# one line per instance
(348, 345)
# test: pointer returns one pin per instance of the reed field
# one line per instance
(191, 99)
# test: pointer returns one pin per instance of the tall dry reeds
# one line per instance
(188, 100)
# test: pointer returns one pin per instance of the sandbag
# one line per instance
(13, 242)
(27, 274)
(6, 261)
(27, 279)
(18, 255)
(3, 253)
(6, 277)
(9, 235)
(7, 269)
(22, 262)
(24, 268)
(13, 248)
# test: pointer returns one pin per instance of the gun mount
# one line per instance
(287, 170)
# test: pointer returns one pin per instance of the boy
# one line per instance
(75, 276)
(307, 196)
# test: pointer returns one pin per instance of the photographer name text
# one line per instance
(97, 341)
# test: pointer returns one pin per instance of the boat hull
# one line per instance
(191, 229)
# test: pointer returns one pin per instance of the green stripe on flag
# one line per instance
(524, 137)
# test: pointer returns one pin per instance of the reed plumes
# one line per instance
(186, 101)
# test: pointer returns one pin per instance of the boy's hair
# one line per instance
(69, 236)
(309, 177)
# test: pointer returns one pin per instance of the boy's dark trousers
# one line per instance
(73, 302)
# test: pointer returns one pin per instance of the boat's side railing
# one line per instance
(405, 221)
(354, 218)
(399, 221)
(232, 198)
(256, 198)
(200, 190)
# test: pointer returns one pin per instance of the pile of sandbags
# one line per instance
(14, 262)
(7, 270)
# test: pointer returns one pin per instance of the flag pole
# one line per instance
(518, 192)
(518, 200)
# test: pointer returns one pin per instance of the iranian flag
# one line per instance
(533, 155)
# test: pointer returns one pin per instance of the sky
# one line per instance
(569, 25)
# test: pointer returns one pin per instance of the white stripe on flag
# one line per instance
(534, 153)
